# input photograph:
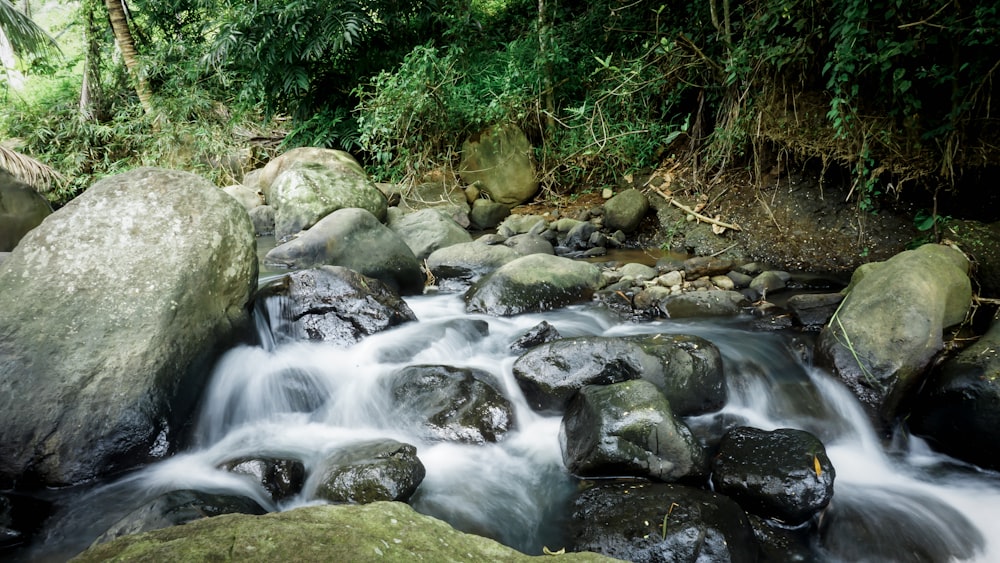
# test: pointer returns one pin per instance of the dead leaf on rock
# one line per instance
(718, 229)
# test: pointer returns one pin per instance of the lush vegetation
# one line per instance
(898, 92)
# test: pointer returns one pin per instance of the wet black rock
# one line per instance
(813, 310)
(367, 472)
(539, 334)
(281, 478)
(333, 304)
(451, 403)
(658, 522)
(784, 474)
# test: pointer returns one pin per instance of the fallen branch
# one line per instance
(697, 215)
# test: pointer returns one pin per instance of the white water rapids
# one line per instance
(302, 400)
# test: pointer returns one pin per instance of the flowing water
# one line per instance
(896, 501)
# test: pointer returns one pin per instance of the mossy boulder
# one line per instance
(386, 531)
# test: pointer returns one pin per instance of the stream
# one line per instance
(893, 500)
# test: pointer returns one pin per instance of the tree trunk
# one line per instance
(91, 94)
(545, 60)
(126, 44)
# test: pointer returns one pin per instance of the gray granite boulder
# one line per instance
(118, 300)
(427, 230)
(534, 283)
(625, 211)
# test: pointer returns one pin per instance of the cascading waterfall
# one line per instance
(301, 399)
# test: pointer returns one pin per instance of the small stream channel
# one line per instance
(894, 500)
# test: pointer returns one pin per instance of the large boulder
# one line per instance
(628, 429)
(657, 522)
(785, 474)
(532, 284)
(333, 304)
(450, 403)
(21, 209)
(355, 239)
(499, 161)
(427, 230)
(958, 409)
(625, 211)
(305, 184)
(687, 369)
(890, 325)
(388, 531)
(115, 306)
(368, 472)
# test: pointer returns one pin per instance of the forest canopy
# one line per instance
(899, 93)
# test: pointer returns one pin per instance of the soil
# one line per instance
(790, 221)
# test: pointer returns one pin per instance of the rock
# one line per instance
(625, 211)
(539, 334)
(785, 474)
(450, 403)
(386, 530)
(262, 218)
(4, 256)
(638, 272)
(881, 524)
(670, 279)
(427, 230)
(487, 214)
(814, 310)
(740, 280)
(578, 238)
(355, 239)
(310, 156)
(281, 478)
(532, 284)
(447, 198)
(527, 243)
(333, 304)
(121, 300)
(304, 193)
(499, 160)
(957, 410)
(767, 282)
(712, 303)
(247, 197)
(467, 262)
(687, 369)
(21, 517)
(178, 507)
(658, 522)
(521, 224)
(21, 209)
(892, 321)
(627, 429)
(706, 266)
(367, 472)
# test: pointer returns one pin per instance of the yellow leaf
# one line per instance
(547, 551)
(816, 466)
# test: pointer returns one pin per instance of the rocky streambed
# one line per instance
(520, 387)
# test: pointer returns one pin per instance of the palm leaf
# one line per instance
(37, 174)
(24, 35)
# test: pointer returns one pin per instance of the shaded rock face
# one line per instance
(119, 301)
(784, 474)
(487, 214)
(657, 522)
(451, 403)
(333, 304)
(921, 527)
(368, 472)
(686, 369)
(427, 230)
(813, 310)
(499, 160)
(281, 478)
(712, 303)
(628, 429)
(465, 263)
(532, 284)
(21, 209)
(179, 507)
(389, 530)
(958, 410)
(355, 239)
(981, 241)
(890, 324)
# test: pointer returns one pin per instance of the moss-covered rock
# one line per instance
(385, 531)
